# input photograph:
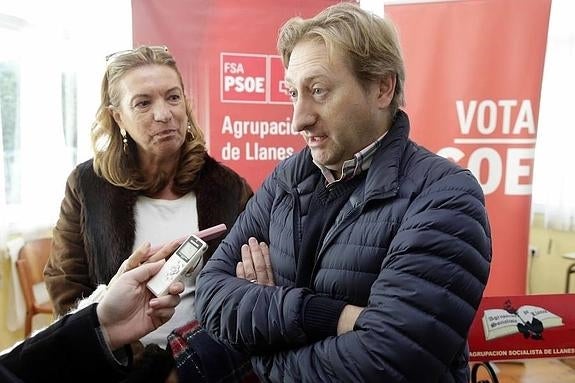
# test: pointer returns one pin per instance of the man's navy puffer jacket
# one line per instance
(412, 245)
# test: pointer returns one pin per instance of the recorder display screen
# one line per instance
(188, 250)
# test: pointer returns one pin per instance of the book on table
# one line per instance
(526, 319)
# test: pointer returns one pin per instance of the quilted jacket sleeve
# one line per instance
(226, 303)
(422, 304)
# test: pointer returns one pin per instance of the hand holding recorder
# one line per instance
(185, 259)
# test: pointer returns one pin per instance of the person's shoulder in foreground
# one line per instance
(90, 344)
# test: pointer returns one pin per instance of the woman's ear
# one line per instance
(116, 115)
(386, 90)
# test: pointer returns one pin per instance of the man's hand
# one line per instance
(129, 311)
(255, 265)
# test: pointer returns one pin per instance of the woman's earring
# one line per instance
(189, 131)
(124, 140)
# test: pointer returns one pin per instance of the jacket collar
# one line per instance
(382, 179)
(383, 175)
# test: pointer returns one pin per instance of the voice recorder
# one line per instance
(186, 257)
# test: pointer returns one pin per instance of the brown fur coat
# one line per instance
(96, 228)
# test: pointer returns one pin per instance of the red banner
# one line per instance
(474, 71)
(226, 50)
(524, 327)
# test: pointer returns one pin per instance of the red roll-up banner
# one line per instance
(474, 70)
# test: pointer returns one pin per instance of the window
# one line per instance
(9, 116)
(554, 183)
(51, 63)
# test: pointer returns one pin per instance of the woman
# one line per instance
(151, 179)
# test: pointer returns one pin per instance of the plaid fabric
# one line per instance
(201, 358)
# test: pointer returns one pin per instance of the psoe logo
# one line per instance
(252, 78)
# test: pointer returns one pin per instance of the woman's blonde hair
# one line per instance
(369, 41)
(121, 168)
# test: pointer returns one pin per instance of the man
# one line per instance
(89, 345)
(374, 252)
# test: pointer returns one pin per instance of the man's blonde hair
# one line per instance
(369, 41)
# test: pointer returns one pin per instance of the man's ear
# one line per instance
(386, 90)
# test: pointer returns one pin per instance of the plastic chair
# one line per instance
(32, 258)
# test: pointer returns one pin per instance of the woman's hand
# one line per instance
(129, 311)
(146, 254)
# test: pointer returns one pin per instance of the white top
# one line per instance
(160, 221)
